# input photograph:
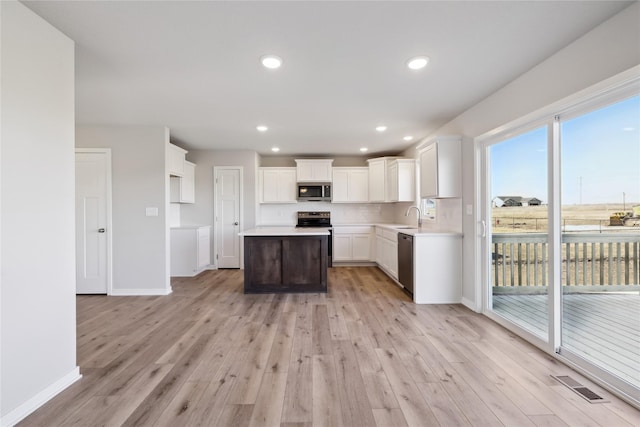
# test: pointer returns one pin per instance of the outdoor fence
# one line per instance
(530, 224)
(593, 260)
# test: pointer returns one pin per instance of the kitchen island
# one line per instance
(285, 259)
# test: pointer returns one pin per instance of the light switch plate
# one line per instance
(152, 211)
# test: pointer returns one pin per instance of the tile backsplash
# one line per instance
(347, 213)
(448, 217)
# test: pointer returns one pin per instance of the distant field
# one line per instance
(534, 218)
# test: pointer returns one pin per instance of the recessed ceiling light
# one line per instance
(408, 138)
(271, 61)
(262, 128)
(275, 149)
(418, 62)
(364, 149)
(381, 128)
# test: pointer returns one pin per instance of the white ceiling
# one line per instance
(194, 66)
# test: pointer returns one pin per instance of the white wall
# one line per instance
(201, 213)
(609, 49)
(140, 180)
(38, 333)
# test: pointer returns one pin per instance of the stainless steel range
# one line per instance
(318, 219)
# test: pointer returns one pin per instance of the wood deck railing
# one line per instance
(595, 260)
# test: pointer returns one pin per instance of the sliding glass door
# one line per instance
(518, 230)
(601, 238)
(561, 232)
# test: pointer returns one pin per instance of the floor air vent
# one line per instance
(583, 391)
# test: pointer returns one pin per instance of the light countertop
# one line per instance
(422, 232)
(293, 231)
(406, 229)
(286, 231)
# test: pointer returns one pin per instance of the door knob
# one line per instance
(101, 230)
(235, 223)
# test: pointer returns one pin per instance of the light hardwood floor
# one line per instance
(361, 355)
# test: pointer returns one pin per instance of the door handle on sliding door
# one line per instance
(484, 228)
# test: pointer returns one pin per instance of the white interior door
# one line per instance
(228, 216)
(92, 221)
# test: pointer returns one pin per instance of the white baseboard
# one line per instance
(354, 264)
(139, 292)
(193, 273)
(28, 407)
(470, 305)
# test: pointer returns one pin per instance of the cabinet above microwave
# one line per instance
(313, 170)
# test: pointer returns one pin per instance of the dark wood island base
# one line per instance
(285, 264)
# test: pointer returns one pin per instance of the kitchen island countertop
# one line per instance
(286, 231)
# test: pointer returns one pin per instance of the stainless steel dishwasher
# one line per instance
(405, 261)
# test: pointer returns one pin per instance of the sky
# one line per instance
(600, 154)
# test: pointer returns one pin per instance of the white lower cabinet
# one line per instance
(437, 268)
(190, 250)
(387, 251)
(352, 243)
(361, 247)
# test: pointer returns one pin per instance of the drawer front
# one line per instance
(390, 235)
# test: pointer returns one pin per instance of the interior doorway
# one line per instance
(228, 215)
(93, 221)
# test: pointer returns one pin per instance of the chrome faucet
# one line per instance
(419, 214)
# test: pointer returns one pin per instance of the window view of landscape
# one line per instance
(519, 230)
(601, 237)
(600, 225)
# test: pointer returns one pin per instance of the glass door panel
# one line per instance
(601, 238)
(518, 231)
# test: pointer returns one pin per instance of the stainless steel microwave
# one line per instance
(314, 192)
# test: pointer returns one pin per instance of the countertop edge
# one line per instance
(285, 231)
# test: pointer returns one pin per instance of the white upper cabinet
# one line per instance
(377, 180)
(440, 168)
(350, 185)
(176, 159)
(313, 170)
(183, 189)
(391, 179)
(277, 185)
(401, 180)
